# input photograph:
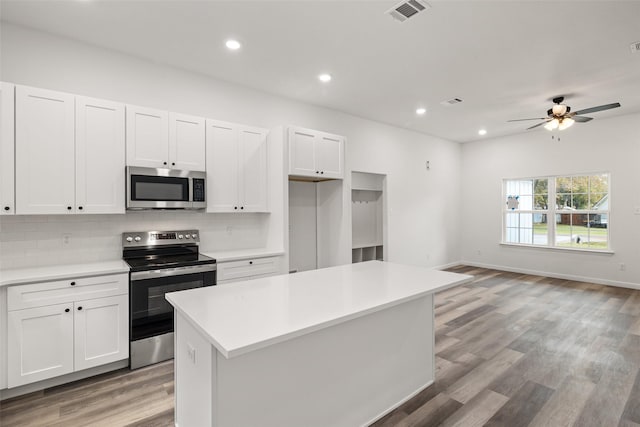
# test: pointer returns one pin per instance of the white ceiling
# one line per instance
(505, 59)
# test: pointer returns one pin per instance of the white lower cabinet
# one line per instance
(235, 271)
(40, 343)
(100, 331)
(73, 334)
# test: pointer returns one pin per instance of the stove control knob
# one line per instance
(137, 238)
(180, 236)
(129, 239)
(194, 235)
(188, 236)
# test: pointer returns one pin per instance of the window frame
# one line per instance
(552, 211)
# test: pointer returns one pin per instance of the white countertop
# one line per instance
(246, 316)
(60, 272)
(226, 256)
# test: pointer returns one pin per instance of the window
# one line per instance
(561, 211)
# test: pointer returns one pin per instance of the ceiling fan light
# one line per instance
(553, 124)
(559, 109)
(565, 123)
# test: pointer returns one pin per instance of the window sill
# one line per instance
(560, 249)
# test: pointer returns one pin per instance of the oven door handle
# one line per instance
(164, 272)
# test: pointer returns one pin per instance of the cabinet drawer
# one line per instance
(246, 268)
(62, 291)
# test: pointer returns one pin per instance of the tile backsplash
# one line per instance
(41, 240)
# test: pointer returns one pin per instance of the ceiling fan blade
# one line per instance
(598, 108)
(539, 124)
(582, 119)
(521, 120)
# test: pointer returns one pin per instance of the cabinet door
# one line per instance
(147, 137)
(40, 343)
(101, 331)
(329, 151)
(253, 178)
(100, 152)
(222, 167)
(186, 142)
(7, 189)
(45, 153)
(301, 152)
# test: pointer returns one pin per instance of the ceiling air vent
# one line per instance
(407, 9)
(450, 102)
(635, 47)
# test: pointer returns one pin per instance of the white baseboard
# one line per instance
(396, 405)
(63, 379)
(574, 277)
(449, 265)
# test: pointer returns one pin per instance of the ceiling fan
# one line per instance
(560, 116)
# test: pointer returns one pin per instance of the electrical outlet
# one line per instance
(622, 266)
(66, 239)
(191, 353)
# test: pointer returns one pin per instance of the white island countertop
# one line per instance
(247, 316)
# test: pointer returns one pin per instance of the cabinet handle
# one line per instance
(80, 207)
(164, 163)
(79, 308)
(173, 164)
(322, 172)
(250, 262)
(241, 207)
(235, 207)
(317, 171)
(69, 208)
(73, 283)
(66, 310)
(6, 208)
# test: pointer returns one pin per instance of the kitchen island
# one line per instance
(339, 346)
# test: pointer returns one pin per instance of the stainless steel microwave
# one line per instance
(158, 188)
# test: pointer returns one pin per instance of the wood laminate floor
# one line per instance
(511, 350)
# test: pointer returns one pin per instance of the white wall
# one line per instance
(422, 217)
(603, 145)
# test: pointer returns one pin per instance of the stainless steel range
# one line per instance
(160, 262)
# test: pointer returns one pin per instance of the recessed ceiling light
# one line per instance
(233, 44)
(420, 111)
(482, 132)
(324, 78)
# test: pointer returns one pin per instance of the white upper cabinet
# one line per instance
(329, 155)
(7, 189)
(253, 169)
(315, 154)
(100, 156)
(158, 139)
(147, 137)
(69, 154)
(45, 152)
(222, 166)
(186, 142)
(237, 179)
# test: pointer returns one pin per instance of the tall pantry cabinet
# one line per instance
(70, 153)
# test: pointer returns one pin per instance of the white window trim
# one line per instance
(551, 213)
